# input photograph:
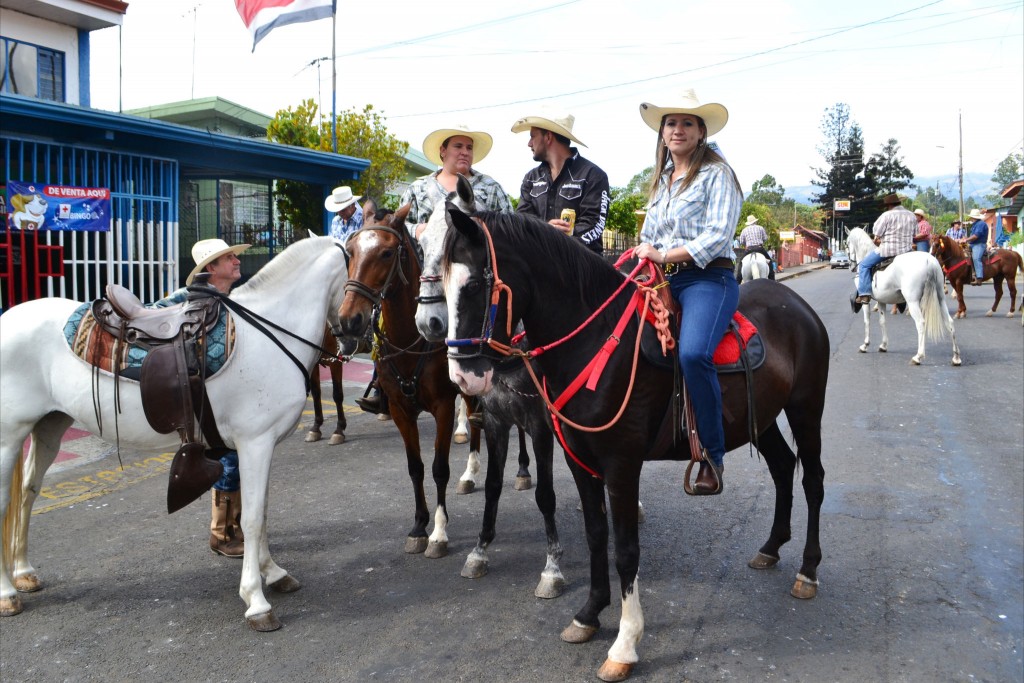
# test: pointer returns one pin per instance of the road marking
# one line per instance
(68, 493)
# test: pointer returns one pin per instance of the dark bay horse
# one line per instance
(337, 369)
(999, 265)
(552, 284)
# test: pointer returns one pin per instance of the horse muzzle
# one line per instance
(471, 381)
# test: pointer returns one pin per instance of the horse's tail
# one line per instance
(15, 511)
(1020, 263)
(933, 303)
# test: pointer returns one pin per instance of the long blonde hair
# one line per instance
(701, 156)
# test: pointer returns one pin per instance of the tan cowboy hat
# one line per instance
(891, 200)
(341, 198)
(919, 212)
(715, 115)
(751, 219)
(556, 123)
(432, 143)
(976, 214)
(205, 252)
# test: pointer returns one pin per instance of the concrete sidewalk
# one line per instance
(797, 271)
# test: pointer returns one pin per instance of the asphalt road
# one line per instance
(922, 576)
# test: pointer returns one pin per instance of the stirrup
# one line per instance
(689, 490)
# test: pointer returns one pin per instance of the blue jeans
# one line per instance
(977, 251)
(864, 272)
(229, 481)
(923, 246)
(708, 299)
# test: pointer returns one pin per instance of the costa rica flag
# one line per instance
(263, 16)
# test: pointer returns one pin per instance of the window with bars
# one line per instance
(31, 70)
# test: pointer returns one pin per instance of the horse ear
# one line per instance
(464, 190)
(311, 233)
(463, 223)
(397, 219)
(847, 230)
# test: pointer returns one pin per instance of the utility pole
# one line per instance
(960, 172)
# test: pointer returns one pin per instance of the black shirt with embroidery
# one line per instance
(580, 186)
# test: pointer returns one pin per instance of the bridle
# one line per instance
(377, 295)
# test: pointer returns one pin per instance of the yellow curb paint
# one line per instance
(99, 484)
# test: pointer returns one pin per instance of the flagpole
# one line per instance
(334, 76)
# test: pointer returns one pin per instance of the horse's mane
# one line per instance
(572, 265)
(284, 265)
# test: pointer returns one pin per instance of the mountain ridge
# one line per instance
(976, 185)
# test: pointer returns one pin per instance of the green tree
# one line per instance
(1008, 170)
(626, 201)
(886, 170)
(360, 134)
(844, 177)
(767, 191)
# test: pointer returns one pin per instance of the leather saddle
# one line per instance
(172, 379)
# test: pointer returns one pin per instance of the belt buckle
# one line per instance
(670, 268)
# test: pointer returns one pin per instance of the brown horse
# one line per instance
(331, 344)
(525, 271)
(384, 274)
(999, 265)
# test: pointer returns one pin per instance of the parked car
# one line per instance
(839, 260)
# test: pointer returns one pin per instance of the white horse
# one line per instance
(257, 396)
(754, 266)
(915, 279)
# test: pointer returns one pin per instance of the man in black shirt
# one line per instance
(563, 180)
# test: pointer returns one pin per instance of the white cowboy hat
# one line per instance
(919, 212)
(751, 219)
(205, 252)
(556, 123)
(976, 214)
(341, 198)
(432, 143)
(715, 115)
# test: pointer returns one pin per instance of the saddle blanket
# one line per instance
(96, 346)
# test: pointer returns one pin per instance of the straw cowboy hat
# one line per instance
(751, 219)
(432, 143)
(919, 212)
(556, 123)
(977, 214)
(715, 115)
(341, 198)
(205, 252)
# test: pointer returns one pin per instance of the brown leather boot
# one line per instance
(225, 529)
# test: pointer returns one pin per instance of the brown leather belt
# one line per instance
(673, 268)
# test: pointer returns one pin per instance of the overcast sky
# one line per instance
(906, 68)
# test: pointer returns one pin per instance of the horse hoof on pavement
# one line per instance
(474, 568)
(614, 671)
(523, 484)
(956, 361)
(436, 550)
(914, 360)
(461, 437)
(862, 349)
(263, 622)
(578, 633)
(762, 561)
(10, 606)
(312, 436)
(988, 314)
(415, 544)
(804, 588)
(286, 584)
(27, 583)
(337, 439)
(549, 587)
(883, 349)
(465, 486)
(1010, 314)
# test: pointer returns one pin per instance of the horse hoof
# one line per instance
(578, 633)
(10, 606)
(336, 439)
(523, 484)
(614, 671)
(804, 588)
(549, 587)
(474, 569)
(436, 550)
(957, 362)
(883, 349)
(312, 437)
(27, 583)
(465, 486)
(460, 437)
(988, 314)
(263, 623)
(762, 561)
(862, 349)
(415, 544)
(915, 361)
(286, 584)
(1010, 314)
